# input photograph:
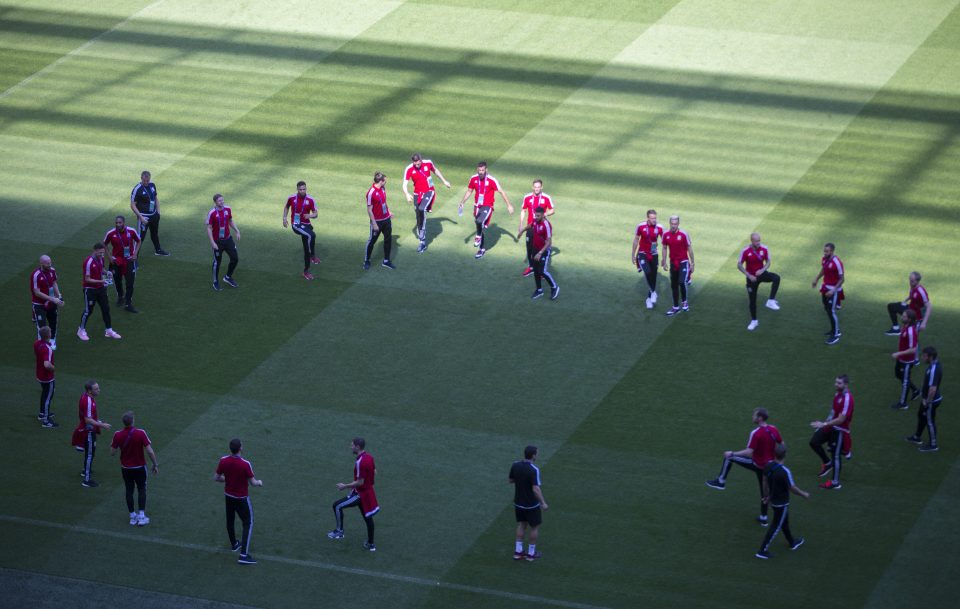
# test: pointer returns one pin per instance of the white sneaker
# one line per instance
(649, 303)
(653, 298)
(111, 334)
(133, 520)
(53, 344)
(753, 325)
(82, 335)
(773, 305)
(143, 521)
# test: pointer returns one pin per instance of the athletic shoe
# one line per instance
(366, 265)
(828, 333)
(314, 260)
(753, 325)
(518, 555)
(649, 303)
(825, 468)
(833, 339)
(763, 554)
(848, 456)
(131, 309)
(673, 311)
(830, 485)
(246, 559)
(216, 286)
(929, 448)
(773, 305)
(554, 292)
(797, 543)
(89, 484)
(480, 253)
(527, 272)
(79, 449)
(40, 417)
(369, 546)
(653, 297)
(899, 406)
(715, 483)
(913, 395)
(235, 546)
(161, 252)
(893, 331)
(230, 282)
(532, 557)
(763, 520)
(476, 241)
(536, 294)
(685, 307)
(143, 521)
(49, 424)
(133, 520)
(82, 335)
(422, 247)
(335, 534)
(109, 333)
(914, 439)
(308, 275)
(388, 265)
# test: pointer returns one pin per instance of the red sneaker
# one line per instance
(831, 486)
(825, 468)
(308, 276)
(314, 260)
(527, 272)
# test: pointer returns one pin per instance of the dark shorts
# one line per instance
(533, 517)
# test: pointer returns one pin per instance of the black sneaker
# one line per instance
(899, 406)
(480, 254)
(366, 265)
(536, 294)
(161, 252)
(893, 331)
(914, 439)
(388, 265)
(673, 311)
(216, 286)
(369, 546)
(49, 424)
(422, 247)
(89, 484)
(554, 292)
(130, 309)
(833, 339)
(828, 333)
(715, 483)
(797, 543)
(763, 554)
(246, 559)
(335, 534)
(763, 520)
(40, 417)
(227, 279)
(235, 546)
(929, 448)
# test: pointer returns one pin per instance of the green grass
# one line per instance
(808, 123)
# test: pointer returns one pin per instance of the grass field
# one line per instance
(809, 122)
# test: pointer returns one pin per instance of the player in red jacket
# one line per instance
(361, 494)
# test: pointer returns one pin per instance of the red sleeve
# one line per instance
(366, 469)
(145, 438)
(209, 217)
(743, 256)
(249, 469)
(116, 440)
(134, 235)
(220, 467)
(753, 441)
(408, 173)
(496, 184)
(473, 183)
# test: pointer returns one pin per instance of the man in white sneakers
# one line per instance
(754, 264)
(132, 442)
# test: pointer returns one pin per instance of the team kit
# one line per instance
(765, 451)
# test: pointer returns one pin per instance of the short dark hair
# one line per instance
(930, 352)
(128, 418)
(911, 315)
(235, 446)
(540, 210)
(830, 245)
(416, 157)
(120, 218)
(780, 450)
(762, 413)
(217, 196)
(144, 174)
(529, 452)
(378, 177)
(482, 164)
(538, 181)
(359, 442)
(89, 384)
(843, 378)
(652, 211)
(99, 246)
(301, 183)
(917, 275)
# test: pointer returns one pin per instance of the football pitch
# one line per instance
(806, 121)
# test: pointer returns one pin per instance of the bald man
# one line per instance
(45, 298)
(754, 262)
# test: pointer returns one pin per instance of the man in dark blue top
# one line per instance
(146, 205)
(527, 501)
(777, 485)
(930, 400)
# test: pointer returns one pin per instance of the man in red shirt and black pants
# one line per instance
(219, 226)
(754, 262)
(906, 357)
(303, 209)
(680, 250)
(95, 281)
(644, 253)
(43, 352)
(424, 194)
(831, 290)
(237, 474)
(124, 243)
(380, 221)
(835, 432)
(538, 252)
(131, 442)
(531, 202)
(45, 298)
(361, 494)
(85, 435)
(484, 188)
(759, 451)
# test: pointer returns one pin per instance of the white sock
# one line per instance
(141, 513)
(532, 549)
(519, 547)
(133, 514)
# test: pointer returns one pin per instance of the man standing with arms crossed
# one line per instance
(85, 435)
(45, 298)
(146, 205)
(303, 209)
(538, 253)
(43, 352)
(131, 442)
(644, 254)
(906, 358)
(759, 451)
(380, 221)
(677, 243)
(219, 226)
(424, 193)
(832, 432)
(754, 262)
(917, 300)
(124, 243)
(527, 501)
(777, 485)
(927, 415)
(95, 293)
(361, 494)
(236, 474)
(531, 202)
(831, 290)
(484, 188)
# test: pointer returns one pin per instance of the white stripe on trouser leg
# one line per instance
(546, 272)
(833, 311)
(905, 383)
(216, 264)
(246, 542)
(836, 457)
(48, 401)
(88, 457)
(366, 252)
(728, 463)
(783, 518)
(338, 510)
(931, 426)
(87, 308)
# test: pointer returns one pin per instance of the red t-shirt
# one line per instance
(377, 202)
(485, 190)
(909, 339)
(219, 222)
(679, 244)
(918, 300)
(92, 267)
(131, 450)
(531, 202)
(121, 242)
(648, 239)
(366, 469)
(44, 353)
(753, 259)
(237, 472)
(422, 180)
(843, 404)
(42, 280)
(832, 272)
(763, 440)
(300, 209)
(541, 232)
